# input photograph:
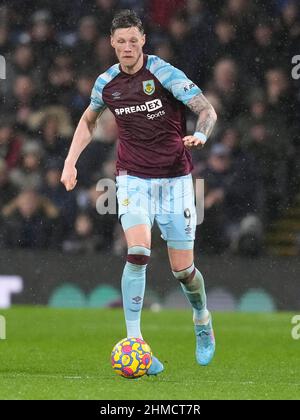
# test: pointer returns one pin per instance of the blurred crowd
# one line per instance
(238, 51)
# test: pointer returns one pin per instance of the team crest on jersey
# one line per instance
(149, 87)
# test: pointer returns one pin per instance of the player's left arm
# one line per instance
(207, 118)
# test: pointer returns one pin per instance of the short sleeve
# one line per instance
(173, 79)
(97, 103)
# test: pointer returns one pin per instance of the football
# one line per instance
(131, 358)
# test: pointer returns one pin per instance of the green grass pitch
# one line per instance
(65, 354)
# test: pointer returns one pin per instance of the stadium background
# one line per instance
(55, 248)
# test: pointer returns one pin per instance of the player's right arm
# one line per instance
(84, 130)
(82, 138)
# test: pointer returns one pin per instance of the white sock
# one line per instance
(204, 320)
(134, 329)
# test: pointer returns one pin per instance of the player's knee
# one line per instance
(185, 275)
(138, 259)
(138, 255)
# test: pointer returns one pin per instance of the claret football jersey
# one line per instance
(149, 107)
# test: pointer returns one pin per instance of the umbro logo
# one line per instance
(116, 95)
(137, 299)
(188, 230)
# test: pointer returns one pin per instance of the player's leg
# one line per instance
(178, 229)
(137, 228)
(190, 278)
(182, 263)
(136, 224)
(138, 237)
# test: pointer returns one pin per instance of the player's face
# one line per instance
(128, 44)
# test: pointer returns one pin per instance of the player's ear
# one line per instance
(144, 40)
(112, 41)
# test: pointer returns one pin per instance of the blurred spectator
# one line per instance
(164, 50)
(21, 64)
(288, 28)
(281, 97)
(31, 221)
(243, 14)
(245, 194)
(60, 83)
(271, 167)
(91, 162)
(104, 223)
(244, 204)
(137, 5)
(10, 144)
(225, 43)
(229, 203)
(230, 200)
(225, 84)
(29, 174)
(183, 42)
(198, 16)
(60, 123)
(57, 194)
(5, 44)
(22, 61)
(42, 35)
(25, 100)
(104, 56)
(262, 54)
(54, 145)
(258, 113)
(212, 236)
(160, 13)
(82, 96)
(104, 11)
(85, 45)
(7, 190)
(63, 58)
(83, 240)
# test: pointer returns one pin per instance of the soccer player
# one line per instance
(148, 97)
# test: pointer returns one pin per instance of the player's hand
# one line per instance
(69, 176)
(192, 141)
